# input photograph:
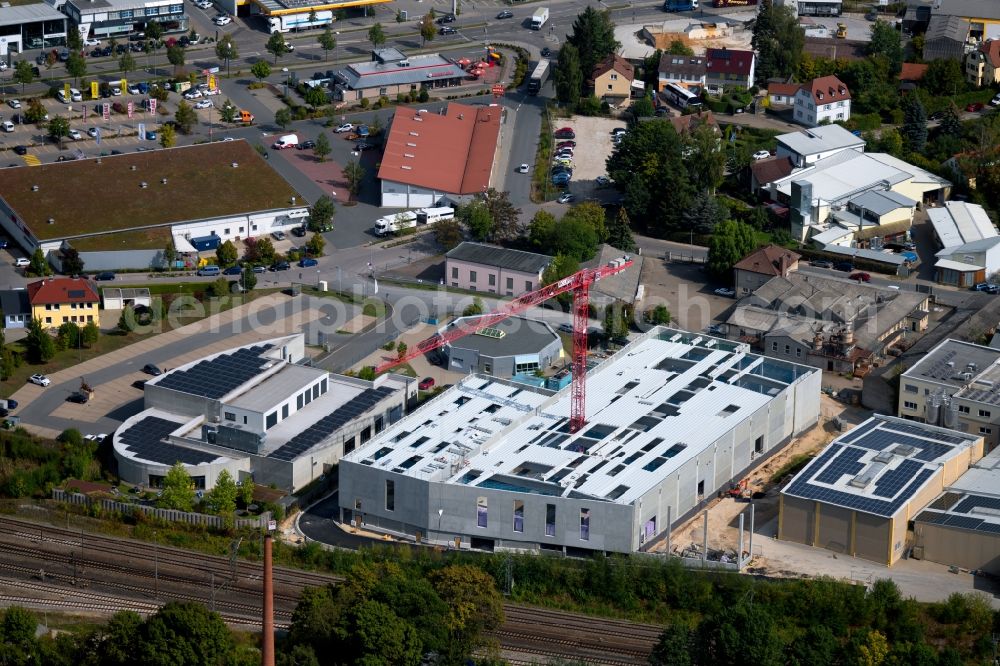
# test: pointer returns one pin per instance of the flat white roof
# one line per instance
(650, 408)
(959, 223)
(820, 140)
(274, 390)
(38, 11)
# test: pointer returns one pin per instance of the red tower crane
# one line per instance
(579, 283)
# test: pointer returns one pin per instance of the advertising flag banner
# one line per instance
(212, 84)
(142, 131)
(152, 105)
(106, 111)
(97, 136)
(94, 90)
(131, 109)
(66, 92)
(124, 84)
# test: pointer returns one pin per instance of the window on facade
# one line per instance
(366, 434)
(472, 276)
(348, 445)
(382, 91)
(788, 349)
(390, 495)
(798, 352)
(272, 420)
(758, 445)
(550, 520)
(244, 420)
(322, 386)
(230, 416)
(48, 320)
(299, 401)
(701, 487)
(481, 511)
(585, 524)
(910, 405)
(909, 388)
(379, 424)
(510, 283)
(315, 391)
(284, 411)
(964, 409)
(985, 413)
(227, 231)
(985, 431)
(774, 346)
(454, 272)
(518, 516)
(492, 280)
(527, 285)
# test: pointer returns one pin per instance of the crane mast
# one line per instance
(579, 284)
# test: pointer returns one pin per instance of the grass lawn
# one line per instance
(370, 306)
(154, 238)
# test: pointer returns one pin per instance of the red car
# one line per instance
(426, 383)
(975, 106)
(861, 277)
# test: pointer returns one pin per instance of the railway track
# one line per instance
(121, 571)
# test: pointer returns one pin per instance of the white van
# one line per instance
(8, 126)
(75, 95)
(433, 215)
(287, 141)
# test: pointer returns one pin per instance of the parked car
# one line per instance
(41, 380)
(308, 144)
(505, 14)
(565, 133)
(619, 131)
(151, 369)
(995, 100)
(447, 30)
(259, 269)
(602, 181)
(4, 244)
(566, 197)
(565, 144)
(233, 270)
(280, 266)
(844, 266)
(22, 261)
(308, 262)
(974, 107)
(278, 235)
(299, 231)
(861, 276)
(79, 397)
(447, 18)
(75, 134)
(104, 276)
(192, 94)
(346, 127)
(92, 132)
(14, 104)
(546, 52)
(821, 263)
(988, 287)
(203, 104)
(725, 291)
(523, 168)
(761, 155)
(426, 384)
(222, 20)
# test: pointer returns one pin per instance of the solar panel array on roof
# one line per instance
(144, 440)
(890, 483)
(802, 487)
(330, 423)
(882, 440)
(977, 501)
(847, 463)
(216, 377)
(858, 432)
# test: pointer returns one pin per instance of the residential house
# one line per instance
(912, 72)
(754, 270)
(825, 99)
(945, 38)
(58, 301)
(829, 323)
(727, 69)
(812, 145)
(970, 244)
(493, 269)
(613, 81)
(687, 71)
(687, 124)
(982, 65)
(16, 308)
(782, 94)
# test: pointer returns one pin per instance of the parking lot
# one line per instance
(593, 147)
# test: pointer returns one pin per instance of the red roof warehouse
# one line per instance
(429, 156)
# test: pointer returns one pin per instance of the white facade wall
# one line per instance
(477, 277)
(801, 160)
(810, 114)
(402, 195)
(238, 227)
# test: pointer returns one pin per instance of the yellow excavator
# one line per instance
(841, 31)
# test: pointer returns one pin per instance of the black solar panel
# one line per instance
(930, 517)
(215, 378)
(845, 463)
(852, 435)
(144, 440)
(990, 527)
(945, 502)
(890, 483)
(973, 501)
(921, 432)
(801, 486)
(330, 423)
(965, 522)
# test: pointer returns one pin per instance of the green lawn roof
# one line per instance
(87, 197)
(154, 238)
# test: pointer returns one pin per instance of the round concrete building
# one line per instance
(511, 347)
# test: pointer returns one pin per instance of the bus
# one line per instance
(681, 97)
(538, 77)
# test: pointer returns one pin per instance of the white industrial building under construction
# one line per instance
(490, 463)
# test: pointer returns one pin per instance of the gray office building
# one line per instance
(511, 347)
(491, 464)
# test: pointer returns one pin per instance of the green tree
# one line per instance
(678, 47)
(227, 254)
(475, 608)
(276, 45)
(58, 129)
(730, 242)
(38, 342)
(178, 490)
(376, 35)
(560, 267)
(541, 228)
(367, 373)
(401, 351)
(175, 56)
(260, 251)
(39, 265)
(244, 491)
(354, 173)
(76, 66)
(227, 113)
(886, 43)
(168, 136)
(448, 234)
(126, 322)
(327, 41)
(573, 237)
(321, 214)
(117, 643)
(248, 279)
(126, 63)
(951, 122)
(704, 213)
(185, 634)
(154, 31)
(36, 111)
(706, 158)
(944, 78)
(819, 645)
(620, 232)
(643, 107)
(568, 76)
(615, 325)
(427, 29)
(504, 217)
(315, 97)
(315, 245)
(24, 73)
(658, 315)
(222, 497)
(225, 49)
(185, 118)
(741, 633)
(283, 117)
(322, 148)
(17, 629)
(914, 128)
(778, 40)
(593, 37)
(69, 336)
(476, 218)
(376, 636)
(261, 69)
(90, 334)
(474, 308)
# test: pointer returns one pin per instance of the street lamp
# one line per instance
(285, 71)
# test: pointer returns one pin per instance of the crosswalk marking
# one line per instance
(31, 160)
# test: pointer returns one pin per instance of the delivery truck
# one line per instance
(391, 224)
(679, 5)
(290, 22)
(539, 18)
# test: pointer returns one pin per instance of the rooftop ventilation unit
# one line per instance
(905, 450)
(884, 457)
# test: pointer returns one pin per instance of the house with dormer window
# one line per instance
(825, 99)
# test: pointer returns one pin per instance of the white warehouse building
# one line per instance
(254, 410)
(671, 418)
